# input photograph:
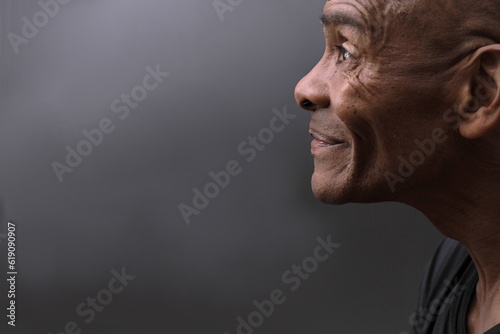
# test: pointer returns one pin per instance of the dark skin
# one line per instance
(390, 72)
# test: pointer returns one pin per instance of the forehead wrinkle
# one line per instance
(380, 16)
(341, 18)
(372, 18)
(361, 14)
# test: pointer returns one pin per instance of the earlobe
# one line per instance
(480, 110)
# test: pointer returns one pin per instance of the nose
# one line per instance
(311, 92)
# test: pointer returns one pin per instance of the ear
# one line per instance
(479, 109)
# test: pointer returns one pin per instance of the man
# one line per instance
(405, 107)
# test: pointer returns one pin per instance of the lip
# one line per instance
(322, 141)
(326, 140)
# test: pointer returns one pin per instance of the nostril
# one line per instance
(307, 104)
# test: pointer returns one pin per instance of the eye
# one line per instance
(343, 52)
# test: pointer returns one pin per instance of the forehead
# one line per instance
(395, 21)
(372, 13)
(378, 6)
(366, 21)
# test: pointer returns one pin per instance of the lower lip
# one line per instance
(317, 144)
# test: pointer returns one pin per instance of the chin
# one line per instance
(332, 190)
(329, 196)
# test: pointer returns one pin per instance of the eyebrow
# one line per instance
(339, 18)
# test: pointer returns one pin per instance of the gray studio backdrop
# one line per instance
(116, 115)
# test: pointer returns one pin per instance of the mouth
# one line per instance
(322, 141)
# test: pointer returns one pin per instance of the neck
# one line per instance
(465, 206)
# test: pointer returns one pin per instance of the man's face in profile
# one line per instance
(383, 82)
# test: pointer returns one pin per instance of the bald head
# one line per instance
(456, 26)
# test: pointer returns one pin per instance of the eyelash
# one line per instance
(343, 52)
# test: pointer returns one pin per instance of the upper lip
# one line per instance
(322, 137)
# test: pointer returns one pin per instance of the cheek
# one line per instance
(406, 113)
(362, 106)
(381, 116)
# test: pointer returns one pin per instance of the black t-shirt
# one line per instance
(446, 291)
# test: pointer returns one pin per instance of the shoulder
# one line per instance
(450, 261)
(444, 281)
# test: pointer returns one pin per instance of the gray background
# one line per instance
(119, 208)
